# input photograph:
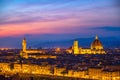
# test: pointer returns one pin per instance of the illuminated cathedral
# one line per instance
(95, 48)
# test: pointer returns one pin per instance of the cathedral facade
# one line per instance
(95, 48)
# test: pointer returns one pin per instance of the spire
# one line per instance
(96, 37)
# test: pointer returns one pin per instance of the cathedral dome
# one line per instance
(96, 44)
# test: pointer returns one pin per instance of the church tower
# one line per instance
(75, 47)
(24, 44)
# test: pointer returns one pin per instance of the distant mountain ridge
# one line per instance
(110, 42)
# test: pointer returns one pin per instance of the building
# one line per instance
(59, 71)
(103, 74)
(95, 48)
(75, 47)
(95, 72)
(110, 75)
(25, 52)
(77, 73)
(4, 67)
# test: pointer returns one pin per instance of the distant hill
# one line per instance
(109, 42)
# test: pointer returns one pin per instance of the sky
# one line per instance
(46, 20)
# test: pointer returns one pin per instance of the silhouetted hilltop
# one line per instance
(109, 42)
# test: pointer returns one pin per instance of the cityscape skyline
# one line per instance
(47, 21)
(59, 40)
(108, 42)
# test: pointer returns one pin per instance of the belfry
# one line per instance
(75, 47)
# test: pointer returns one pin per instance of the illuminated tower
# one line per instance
(75, 47)
(24, 43)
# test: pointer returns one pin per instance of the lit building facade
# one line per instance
(25, 52)
(96, 48)
(59, 71)
(96, 73)
(81, 74)
(75, 47)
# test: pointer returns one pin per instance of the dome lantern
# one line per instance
(96, 37)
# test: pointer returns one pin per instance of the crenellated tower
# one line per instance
(24, 45)
(75, 47)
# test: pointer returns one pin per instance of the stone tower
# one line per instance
(24, 44)
(75, 47)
